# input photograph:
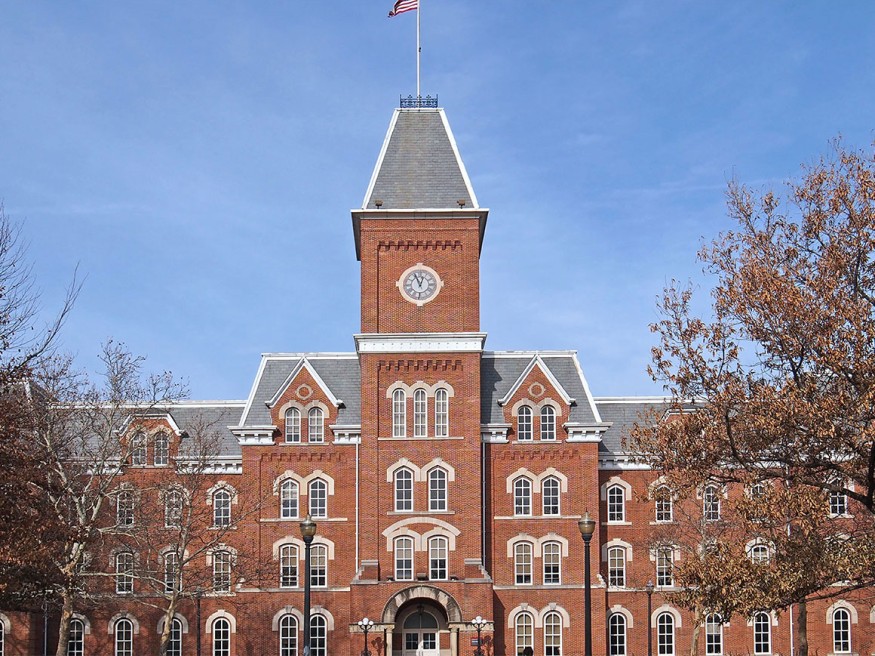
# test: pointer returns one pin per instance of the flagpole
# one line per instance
(418, 47)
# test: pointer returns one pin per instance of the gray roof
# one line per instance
(623, 413)
(419, 166)
(205, 418)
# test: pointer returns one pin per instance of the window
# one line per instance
(441, 413)
(288, 635)
(663, 503)
(617, 635)
(319, 566)
(524, 423)
(437, 490)
(318, 636)
(288, 499)
(550, 495)
(318, 499)
(711, 503)
(221, 637)
(161, 456)
(762, 634)
(759, 554)
(616, 504)
(222, 571)
(548, 423)
(522, 496)
(420, 414)
(75, 643)
(316, 425)
(838, 503)
(664, 569)
(665, 634)
(524, 632)
(171, 572)
(617, 567)
(138, 450)
(403, 490)
(293, 426)
(288, 566)
(124, 509)
(174, 646)
(404, 559)
(221, 508)
(2, 636)
(172, 508)
(399, 413)
(522, 563)
(713, 635)
(124, 572)
(552, 556)
(124, 638)
(841, 631)
(437, 559)
(552, 634)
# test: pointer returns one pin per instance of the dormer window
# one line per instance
(548, 423)
(524, 423)
(293, 425)
(316, 425)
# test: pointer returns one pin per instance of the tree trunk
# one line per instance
(697, 627)
(169, 614)
(802, 628)
(64, 622)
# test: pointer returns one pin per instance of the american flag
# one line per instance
(404, 5)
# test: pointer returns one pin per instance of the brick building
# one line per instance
(446, 480)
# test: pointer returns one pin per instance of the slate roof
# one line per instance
(419, 166)
(206, 418)
(623, 413)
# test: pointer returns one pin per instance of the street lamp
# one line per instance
(308, 530)
(479, 623)
(649, 589)
(587, 527)
(366, 625)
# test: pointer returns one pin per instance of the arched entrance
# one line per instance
(425, 622)
(421, 628)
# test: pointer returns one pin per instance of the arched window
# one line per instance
(293, 425)
(762, 634)
(759, 554)
(161, 456)
(404, 559)
(841, 631)
(550, 495)
(174, 645)
(711, 503)
(403, 490)
(124, 509)
(124, 638)
(288, 635)
(437, 489)
(617, 634)
(548, 423)
(222, 571)
(616, 504)
(288, 566)
(171, 572)
(713, 635)
(75, 643)
(664, 568)
(552, 634)
(399, 413)
(437, 558)
(319, 566)
(138, 450)
(617, 567)
(522, 563)
(288, 499)
(124, 572)
(318, 636)
(420, 414)
(663, 502)
(222, 508)
(551, 554)
(838, 503)
(221, 637)
(522, 496)
(173, 501)
(524, 629)
(441, 413)
(524, 423)
(315, 425)
(318, 496)
(665, 634)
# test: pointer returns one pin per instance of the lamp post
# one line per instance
(587, 527)
(308, 530)
(366, 625)
(479, 623)
(649, 589)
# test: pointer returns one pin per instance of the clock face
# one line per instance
(419, 284)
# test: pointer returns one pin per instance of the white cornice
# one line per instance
(420, 342)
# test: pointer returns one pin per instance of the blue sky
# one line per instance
(198, 160)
